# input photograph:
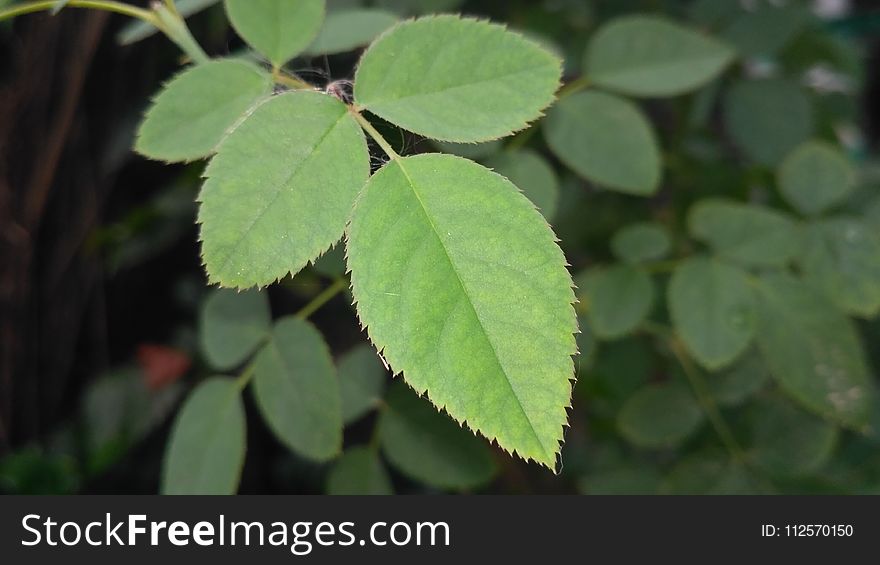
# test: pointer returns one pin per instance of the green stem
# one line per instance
(574, 86)
(106, 5)
(282, 78)
(246, 375)
(323, 298)
(174, 26)
(377, 137)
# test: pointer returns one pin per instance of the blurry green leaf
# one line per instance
(332, 263)
(232, 325)
(813, 351)
(652, 56)
(456, 79)
(745, 233)
(346, 30)
(136, 30)
(713, 310)
(206, 451)
(767, 29)
(607, 140)
(359, 471)
(277, 193)
(767, 118)
(736, 383)
(641, 242)
(430, 447)
(198, 108)
(418, 7)
(659, 416)
(473, 151)
(842, 258)
(361, 381)
(815, 177)
(279, 29)
(441, 291)
(708, 474)
(618, 299)
(529, 171)
(297, 391)
(620, 480)
(711, 13)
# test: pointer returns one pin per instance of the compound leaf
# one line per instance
(361, 382)
(232, 325)
(618, 298)
(359, 471)
(279, 29)
(815, 177)
(477, 313)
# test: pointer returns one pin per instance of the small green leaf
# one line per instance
(232, 325)
(653, 56)
(659, 416)
(641, 242)
(766, 29)
(297, 391)
(768, 118)
(734, 384)
(476, 312)
(361, 381)
(745, 233)
(785, 440)
(618, 298)
(713, 310)
(606, 140)
(429, 447)
(531, 173)
(456, 79)
(346, 30)
(279, 29)
(136, 30)
(813, 351)
(206, 451)
(359, 471)
(197, 109)
(280, 189)
(842, 258)
(815, 177)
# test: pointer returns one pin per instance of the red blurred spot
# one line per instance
(162, 365)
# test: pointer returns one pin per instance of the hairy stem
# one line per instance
(377, 137)
(323, 298)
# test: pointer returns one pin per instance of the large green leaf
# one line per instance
(232, 325)
(813, 350)
(429, 447)
(767, 118)
(713, 310)
(456, 79)
(745, 233)
(280, 189)
(842, 258)
(361, 381)
(531, 173)
(359, 471)
(607, 140)
(477, 313)
(297, 391)
(653, 56)
(279, 29)
(815, 177)
(194, 111)
(618, 298)
(640, 242)
(347, 30)
(659, 416)
(206, 451)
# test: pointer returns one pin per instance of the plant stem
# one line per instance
(177, 31)
(106, 5)
(246, 375)
(280, 77)
(377, 137)
(574, 86)
(323, 298)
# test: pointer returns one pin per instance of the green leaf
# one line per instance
(346, 30)
(280, 189)
(415, 7)
(708, 474)
(606, 140)
(768, 118)
(815, 177)
(279, 29)
(531, 173)
(641, 242)
(785, 440)
(476, 312)
(653, 56)
(745, 233)
(297, 391)
(842, 258)
(712, 310)
(813, 351)
(232, 325)
(198, 108)
(361, 381)
(429, 447)
(456, 79)
(137, 30)
(359, 471)
(618, 298)
(734, 384)
(206, 451)
(620, 480)
(764, 31)
(659, 416)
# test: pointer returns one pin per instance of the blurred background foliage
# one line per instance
(107, 322)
